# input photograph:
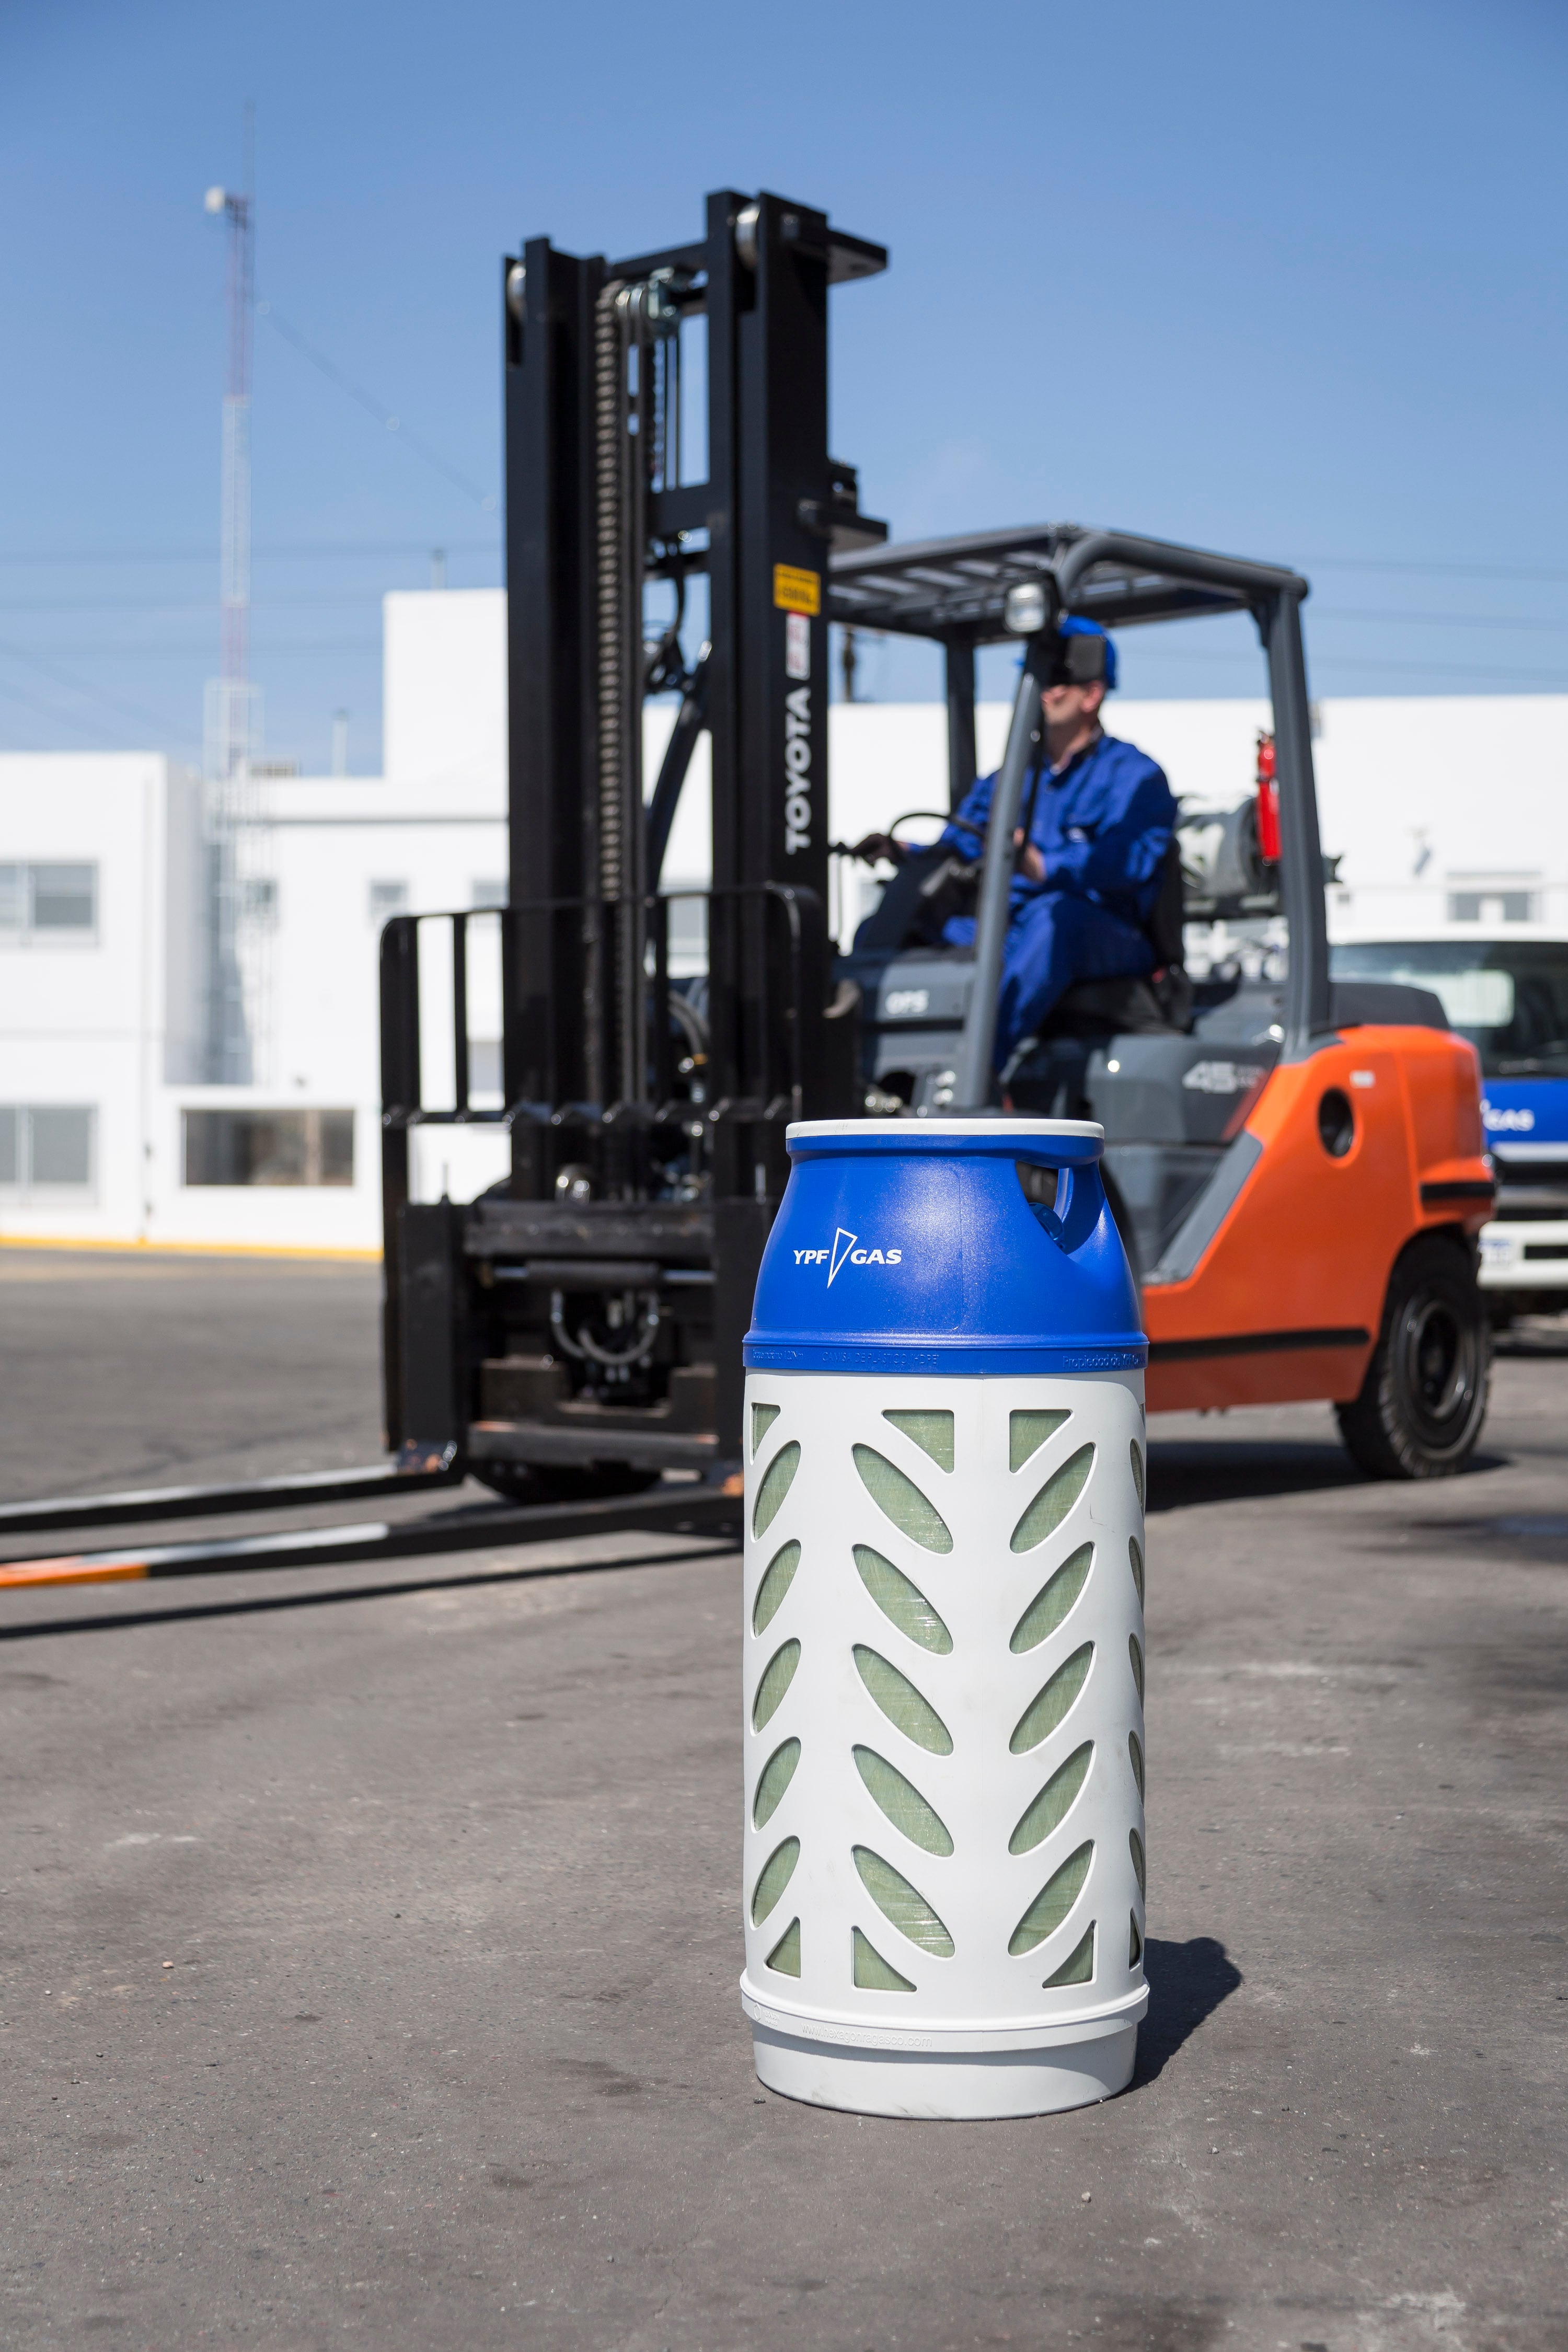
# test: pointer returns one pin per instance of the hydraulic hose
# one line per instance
(587, 1348)
(690, 719)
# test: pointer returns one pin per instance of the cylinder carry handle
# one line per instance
(1075, 1213)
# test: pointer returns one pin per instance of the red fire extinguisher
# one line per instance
(1268, 801)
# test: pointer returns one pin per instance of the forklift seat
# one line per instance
(1157, 1004)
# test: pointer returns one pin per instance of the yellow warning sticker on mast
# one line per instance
(795, 590)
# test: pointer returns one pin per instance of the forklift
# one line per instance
(1297, 1166)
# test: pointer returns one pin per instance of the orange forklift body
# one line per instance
(1285, 1303)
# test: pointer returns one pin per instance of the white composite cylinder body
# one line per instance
(944, 1857)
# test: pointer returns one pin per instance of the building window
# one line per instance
(269, 1147)
(48, 902)
(386, 900)
(1494, 896)
(1492, 906)
(488, 894)
(686, 914)
(259, 898)
(46, 1151)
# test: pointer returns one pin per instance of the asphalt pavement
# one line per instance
(371, 1935)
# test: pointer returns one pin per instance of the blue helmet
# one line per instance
(1083, 662)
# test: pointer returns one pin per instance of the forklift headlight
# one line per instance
(1025, 610)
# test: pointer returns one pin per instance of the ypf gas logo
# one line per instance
(846, 1253)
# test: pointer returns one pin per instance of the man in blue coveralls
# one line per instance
(1096, 819)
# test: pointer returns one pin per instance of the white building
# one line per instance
(1444, 813)
(99, 996)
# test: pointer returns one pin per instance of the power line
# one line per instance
(9, 694)
(152, 650)
(1391, 615)
(1556, 679)
(182, 603)
(1436, 620)
(280, 549)
(376, 408)
(345, 548)
(42, 663)
(1454, 571)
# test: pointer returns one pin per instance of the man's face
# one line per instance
(1072, 706)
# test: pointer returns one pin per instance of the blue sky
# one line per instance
(1283, 279)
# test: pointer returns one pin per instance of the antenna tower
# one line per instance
(240, 898)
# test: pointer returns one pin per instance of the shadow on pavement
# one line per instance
(1184, 1472)
(1534, 1337)
(124, 1619)
(1228, 1470)
(1187, 1983)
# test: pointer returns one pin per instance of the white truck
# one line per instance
(1508, 994)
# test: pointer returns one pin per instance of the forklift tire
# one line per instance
(548, 1483)
(1423, 1398)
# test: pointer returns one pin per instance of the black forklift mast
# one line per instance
(584, 1318)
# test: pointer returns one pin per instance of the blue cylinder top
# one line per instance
(913, 1245)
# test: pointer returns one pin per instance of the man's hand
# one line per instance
(1031, 864)
(876, 845)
